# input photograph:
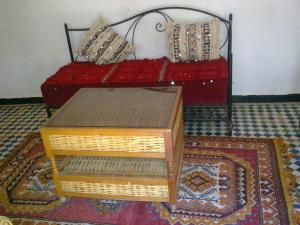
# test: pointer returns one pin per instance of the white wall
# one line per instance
(265, 40)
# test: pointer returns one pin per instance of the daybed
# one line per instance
(205, 83)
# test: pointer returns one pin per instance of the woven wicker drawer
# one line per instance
(113, 190)
(113, 166)
(134, 142)
(104, 143)
(114, 177)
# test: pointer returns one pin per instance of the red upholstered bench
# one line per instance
(204, 82)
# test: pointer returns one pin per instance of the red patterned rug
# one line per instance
(223, 181)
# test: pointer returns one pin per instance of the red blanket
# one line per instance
(204, 83)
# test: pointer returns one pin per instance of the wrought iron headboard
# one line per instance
(159, 27)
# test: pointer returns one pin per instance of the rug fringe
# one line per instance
(289, 180)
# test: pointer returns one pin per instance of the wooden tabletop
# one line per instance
(118, 107)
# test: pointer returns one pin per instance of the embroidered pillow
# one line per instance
(102, 45)
(193, 42)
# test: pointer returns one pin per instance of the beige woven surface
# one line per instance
(107, 143)
(5, 221)
(115, 189)
(117, 107)
(186, 41)
(114, 166)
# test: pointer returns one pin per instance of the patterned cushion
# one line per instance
(102, 45)
(193, 42)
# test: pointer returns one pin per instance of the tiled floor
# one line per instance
(250, 120)
(256, 120)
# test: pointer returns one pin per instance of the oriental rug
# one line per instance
(223, 180)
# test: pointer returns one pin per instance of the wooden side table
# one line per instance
(120, 143)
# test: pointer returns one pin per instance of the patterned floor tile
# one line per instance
(255, 120)
(16, 122)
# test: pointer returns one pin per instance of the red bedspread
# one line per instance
(203, 82)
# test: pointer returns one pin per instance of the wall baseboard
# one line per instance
(266, 98)
(235, 98)
(10, 101)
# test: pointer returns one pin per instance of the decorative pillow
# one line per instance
(193, 42)
(102, 45)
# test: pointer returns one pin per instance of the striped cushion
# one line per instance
(193, 42)
(102, 45)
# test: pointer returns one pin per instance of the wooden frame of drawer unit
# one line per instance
(107, 187)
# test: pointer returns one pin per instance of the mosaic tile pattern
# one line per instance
(250, 120)
(16, 122)
(255, 120)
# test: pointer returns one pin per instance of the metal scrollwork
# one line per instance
(158, 26)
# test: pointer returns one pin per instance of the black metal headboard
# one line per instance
(159, 27)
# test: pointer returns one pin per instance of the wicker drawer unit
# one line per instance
(121, 143)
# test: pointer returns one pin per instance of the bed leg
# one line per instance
(48, 111)
(230, 128)
(229, 119)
